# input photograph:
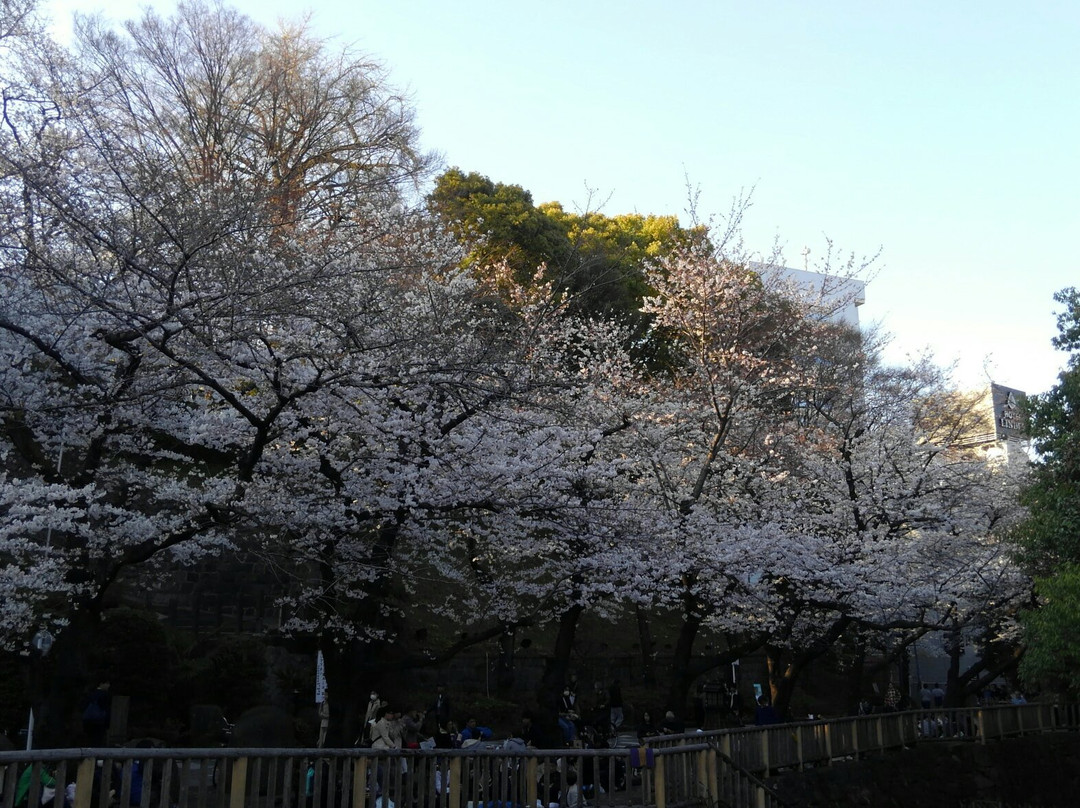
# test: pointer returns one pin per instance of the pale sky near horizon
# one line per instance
(940, 133)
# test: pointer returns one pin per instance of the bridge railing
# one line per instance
(680, 775)
(714, 768)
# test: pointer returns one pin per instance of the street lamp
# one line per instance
(43, 641)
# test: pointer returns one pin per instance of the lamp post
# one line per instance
(42, 643)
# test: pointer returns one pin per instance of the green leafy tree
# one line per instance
(236, 677)
(613, 252)
(131, 651)
(1051, 631)
(1050, 537)
(499, 223)
(595, 264)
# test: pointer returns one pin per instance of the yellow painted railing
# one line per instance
(715, 768)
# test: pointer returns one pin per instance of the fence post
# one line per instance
(530, 781)
(84, 783)
(765, 750)
(658, 782)
(878, 726)
(702, 785)
(827, 727)
(359, 785)
(799, 746)
(455, 783)
(712, 775)
(239, 783)
(981, 728)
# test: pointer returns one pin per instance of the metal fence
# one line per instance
(715, 768)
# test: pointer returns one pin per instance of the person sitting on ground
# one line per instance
(448, 737)
(46, 789)
(646, 728)
(527, 731)
(474, 732)
(671, 725)
(568, 716)
(573, 792)
(542, 728)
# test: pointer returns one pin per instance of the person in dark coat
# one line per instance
(646, 728)
(96, 715)
(440, 708)
(672, 725)
(540, 731)
(764, 714)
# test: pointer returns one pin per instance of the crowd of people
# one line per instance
(577, 721)
(931, 696)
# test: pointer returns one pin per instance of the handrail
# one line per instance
(763, 791)
(714, 767)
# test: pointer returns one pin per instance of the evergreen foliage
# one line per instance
(1049, 539)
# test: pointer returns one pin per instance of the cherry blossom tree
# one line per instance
(223, 332)
(895, 525)
(704, 430)
(795, 488)
(226, 331)
(208, 351)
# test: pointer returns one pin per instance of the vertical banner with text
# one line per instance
(320, 678)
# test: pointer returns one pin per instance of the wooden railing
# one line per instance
(716, 768)
(360, 778)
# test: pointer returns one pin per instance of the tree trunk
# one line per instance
(856, 676)
(682, 676)
(558, 664)
(58, 721)
(359, 668)
(954, 696)
(904, 665)
(785, 667)
(504, 674)
(781, 678)
(648, 654)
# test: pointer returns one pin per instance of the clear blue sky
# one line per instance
(944, 133)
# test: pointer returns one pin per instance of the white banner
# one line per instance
(320, 678)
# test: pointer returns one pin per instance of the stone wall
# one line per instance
(1037, 770)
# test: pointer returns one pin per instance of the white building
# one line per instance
(837, 298)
